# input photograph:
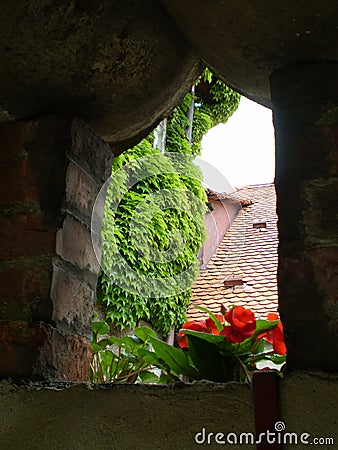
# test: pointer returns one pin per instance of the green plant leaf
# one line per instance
(176, 359)
(102, 343)
(207, 359)
(212, 316)
(113, 340)
(100, 328)
(263, 326)
(277, 359)
(147, 356)
(96, 348)
(149, 377)
(131, 341)
(144, 333)
(212, 338)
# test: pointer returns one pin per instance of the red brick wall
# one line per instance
(51, 171)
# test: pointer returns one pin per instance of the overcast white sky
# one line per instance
(242, 150)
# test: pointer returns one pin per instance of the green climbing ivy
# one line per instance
(214, 102)
(124, 307)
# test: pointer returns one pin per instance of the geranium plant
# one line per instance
(226, 346)
(223, 347)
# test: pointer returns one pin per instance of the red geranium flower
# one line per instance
(242, 324)
(190, 325)
(211, 326)
(205, 326)
(276, 336)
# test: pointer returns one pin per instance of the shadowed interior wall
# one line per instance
(51, 172)
(305, 109)
(123, 66)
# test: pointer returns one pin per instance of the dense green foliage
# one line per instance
(124, 302)
(214, 103)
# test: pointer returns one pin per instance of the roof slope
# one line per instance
(245, 251)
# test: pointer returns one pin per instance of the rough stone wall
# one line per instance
(122, 417)
(129, 417)
(305, 107)
(120, 65)
(51, 172)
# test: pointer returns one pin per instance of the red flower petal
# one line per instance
(276, 336)
(211, 326)
(195, 325)
(190, 325)
(182, 339)
(233, 336)
(242, 321)
(272, 317)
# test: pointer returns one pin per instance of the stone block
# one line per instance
(320, 215)
(73, 301)
(64, 357)
(81, 190)
(90, 151)
(74, 245)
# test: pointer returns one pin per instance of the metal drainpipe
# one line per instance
(161, 135)
(190, 114)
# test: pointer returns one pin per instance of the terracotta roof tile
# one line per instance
(245, 251)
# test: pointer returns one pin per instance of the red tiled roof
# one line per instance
(246, 251)
(221, 196)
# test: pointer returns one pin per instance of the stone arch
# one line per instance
(122, 66)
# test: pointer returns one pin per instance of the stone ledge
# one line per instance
(155, 417)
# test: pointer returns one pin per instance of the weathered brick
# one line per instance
(81, 190)
(74, 245)
(24, 292)
(90, 151)
(35, 188)
(73, 301)
(45, 145)
(12, 139)
(20, 343)
(64, 357)
(25, 235)
(17, 184)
